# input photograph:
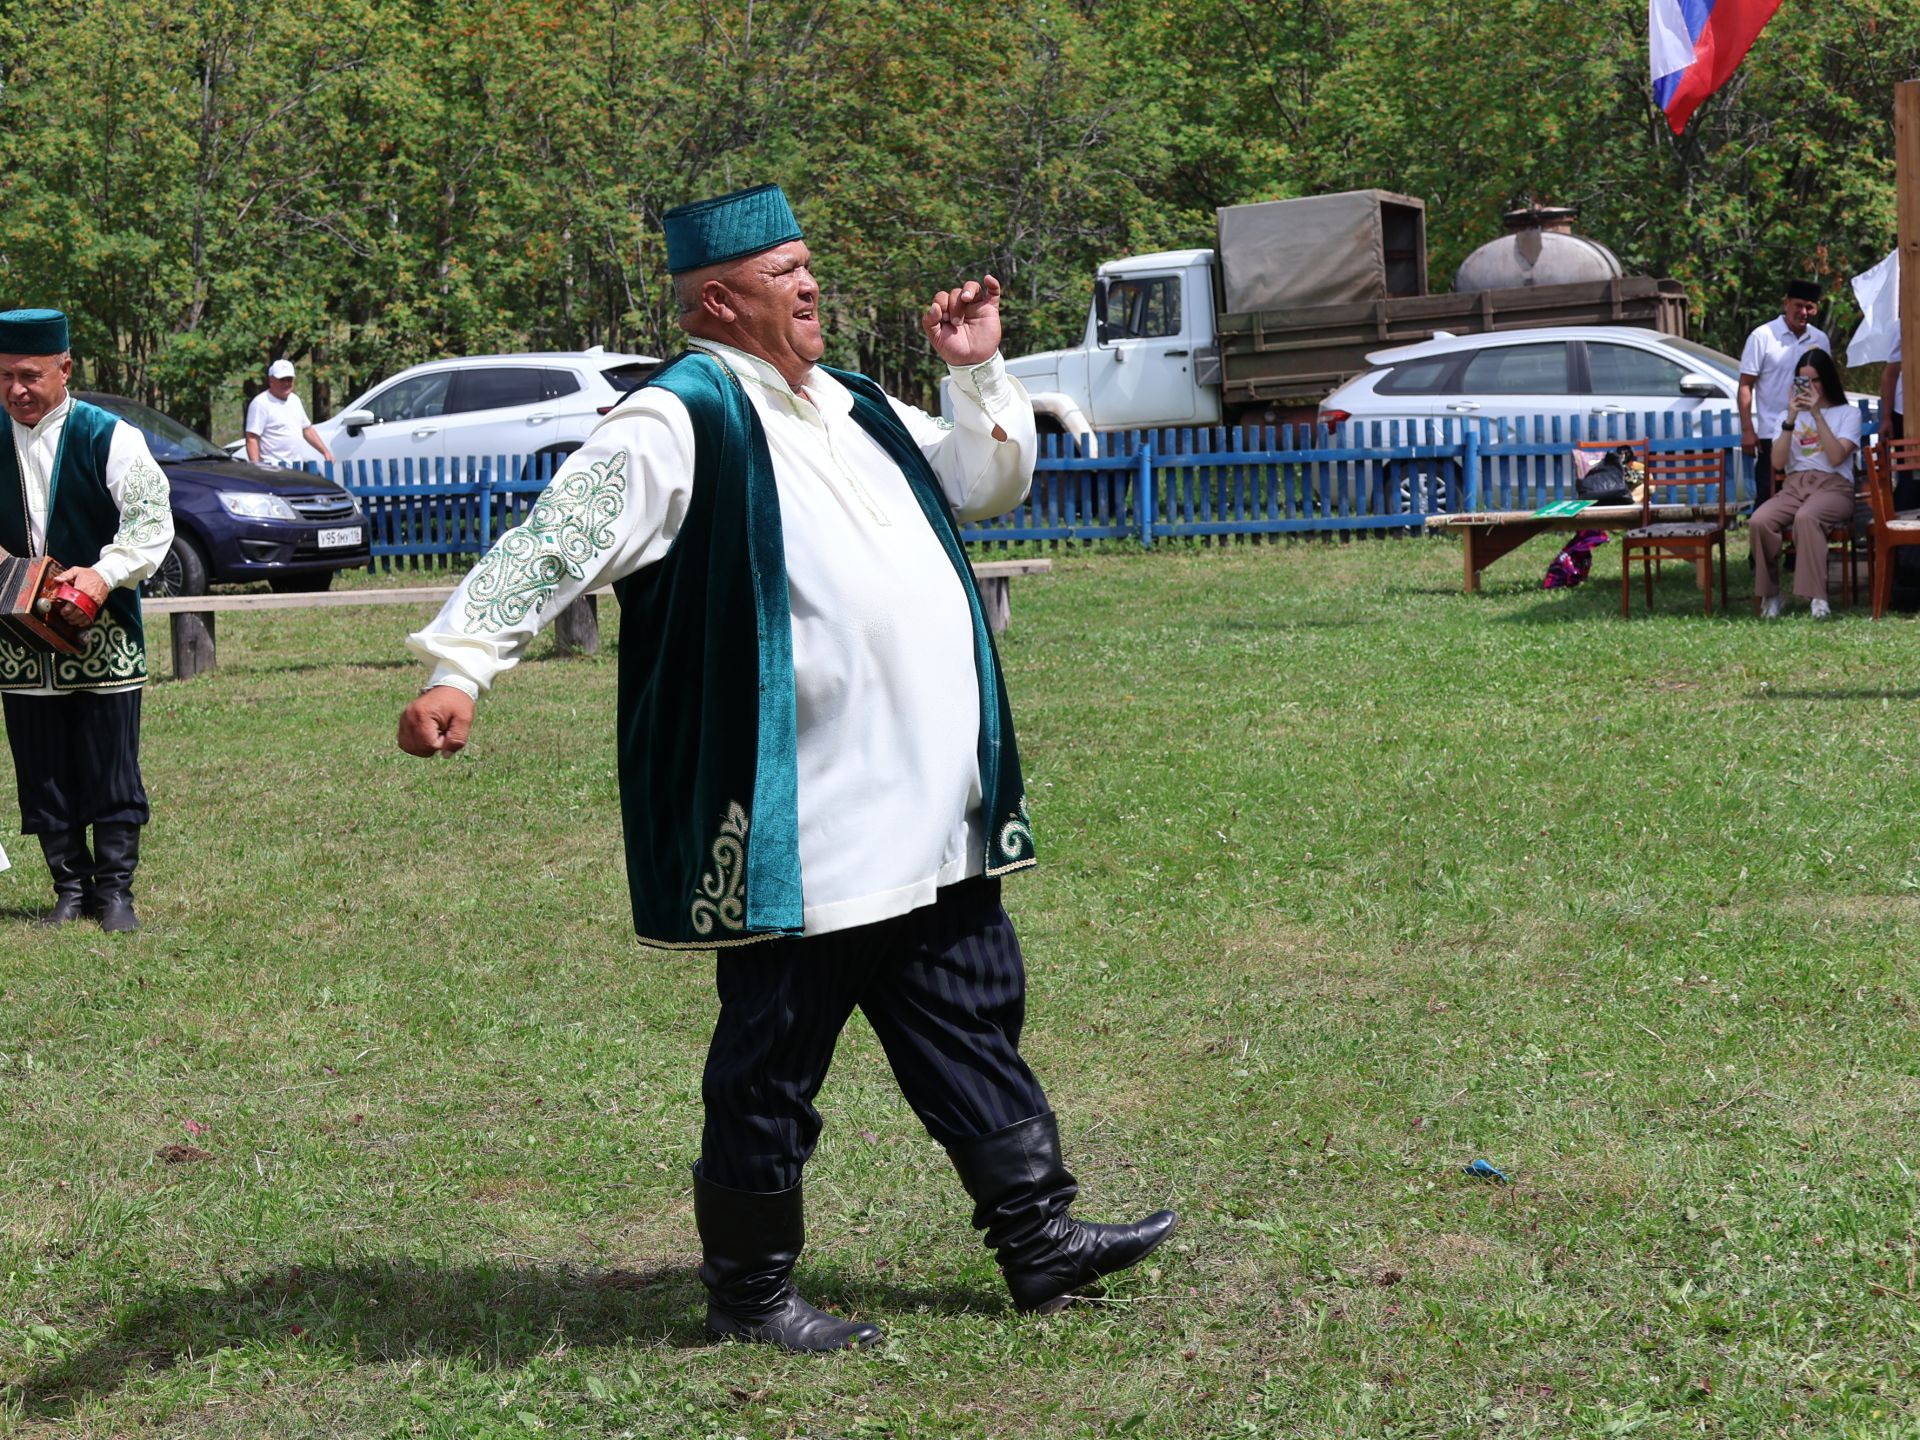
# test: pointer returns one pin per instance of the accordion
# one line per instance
(40, 612)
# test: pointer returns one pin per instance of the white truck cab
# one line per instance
(1149, 332)
(1288, 304)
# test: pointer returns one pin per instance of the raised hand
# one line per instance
(964, 323)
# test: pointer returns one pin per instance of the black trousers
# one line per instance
(1763, 472)
(944, 989)
(76, 760)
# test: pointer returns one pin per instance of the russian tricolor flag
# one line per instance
(1695, 46)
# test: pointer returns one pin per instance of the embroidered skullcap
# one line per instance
(728, 227)
(1803, 290)
(32, 332)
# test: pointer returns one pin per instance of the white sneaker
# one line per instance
(1820, 610)
(1770, 608)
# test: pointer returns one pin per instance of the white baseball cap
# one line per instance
(280, 370)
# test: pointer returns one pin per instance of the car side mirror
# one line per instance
(1701, 387)
(355, 421)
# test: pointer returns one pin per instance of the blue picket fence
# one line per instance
(1146, 486)
(1375, 476)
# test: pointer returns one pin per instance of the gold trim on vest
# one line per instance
(720, 899)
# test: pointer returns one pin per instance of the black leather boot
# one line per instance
(749, 1243)
(1021, 1192)
(72, 869)
(116, 855)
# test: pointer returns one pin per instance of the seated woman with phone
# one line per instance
(1814, 452)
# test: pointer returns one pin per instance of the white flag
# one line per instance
(1878, 292)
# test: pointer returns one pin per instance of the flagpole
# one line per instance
(1906, 171)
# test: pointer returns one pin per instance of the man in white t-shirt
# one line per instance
(278, 430)
(1767, 363)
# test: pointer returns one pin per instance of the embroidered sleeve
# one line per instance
(140, 488)
(571, 524)
(612, 509)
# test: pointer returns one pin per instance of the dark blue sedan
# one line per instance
(234, 522)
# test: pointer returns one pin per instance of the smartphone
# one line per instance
(1802, 388)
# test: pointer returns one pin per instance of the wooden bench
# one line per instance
(575, 629)
(1486, 535)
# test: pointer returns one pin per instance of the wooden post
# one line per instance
(996, 602)
(1906, 172)
(193, 652)
(577, 628)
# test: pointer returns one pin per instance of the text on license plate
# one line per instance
(348, 536)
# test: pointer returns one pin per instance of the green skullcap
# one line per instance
(727, 227)
(32, 332)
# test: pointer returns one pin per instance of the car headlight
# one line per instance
(256, 505)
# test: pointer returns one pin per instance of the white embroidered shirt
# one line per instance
(887, 701)
(137, 485)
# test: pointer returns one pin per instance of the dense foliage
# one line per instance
(361, 185)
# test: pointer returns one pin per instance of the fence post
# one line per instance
(1470, 463)
(1143, 492)
(486, 503)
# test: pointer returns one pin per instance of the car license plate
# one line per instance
(331, 538)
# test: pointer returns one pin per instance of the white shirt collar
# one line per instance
(829, 396)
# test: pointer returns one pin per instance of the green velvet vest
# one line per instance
(709, 778)
(82, 520)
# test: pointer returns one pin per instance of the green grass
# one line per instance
(1348, 879)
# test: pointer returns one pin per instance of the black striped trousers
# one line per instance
(945, 991)
(76, 760)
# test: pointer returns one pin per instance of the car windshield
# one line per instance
(1708, 356)
(167, 438)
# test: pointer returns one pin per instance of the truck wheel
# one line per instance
(1065, 444)
(183, 572)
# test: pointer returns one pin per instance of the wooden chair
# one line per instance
(1693, 541)
(1891, 528)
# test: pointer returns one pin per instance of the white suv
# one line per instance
(485, 405)
(1539, 386)
(1584, 372)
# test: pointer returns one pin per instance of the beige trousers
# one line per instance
(1809, 503)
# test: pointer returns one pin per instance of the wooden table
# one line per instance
(1486, 535)
(575, 628)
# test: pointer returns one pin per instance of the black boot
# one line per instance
(72, 868)
(116, 854)
(749, 1244)
(1021, 1192)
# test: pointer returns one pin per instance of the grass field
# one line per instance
(1348, 880)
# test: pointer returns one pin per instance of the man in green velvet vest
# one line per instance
(818, 771)
(80, 485)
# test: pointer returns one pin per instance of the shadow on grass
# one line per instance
(1864, 692)
(1674, 601)
(385, 1311)
(1231, 624)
